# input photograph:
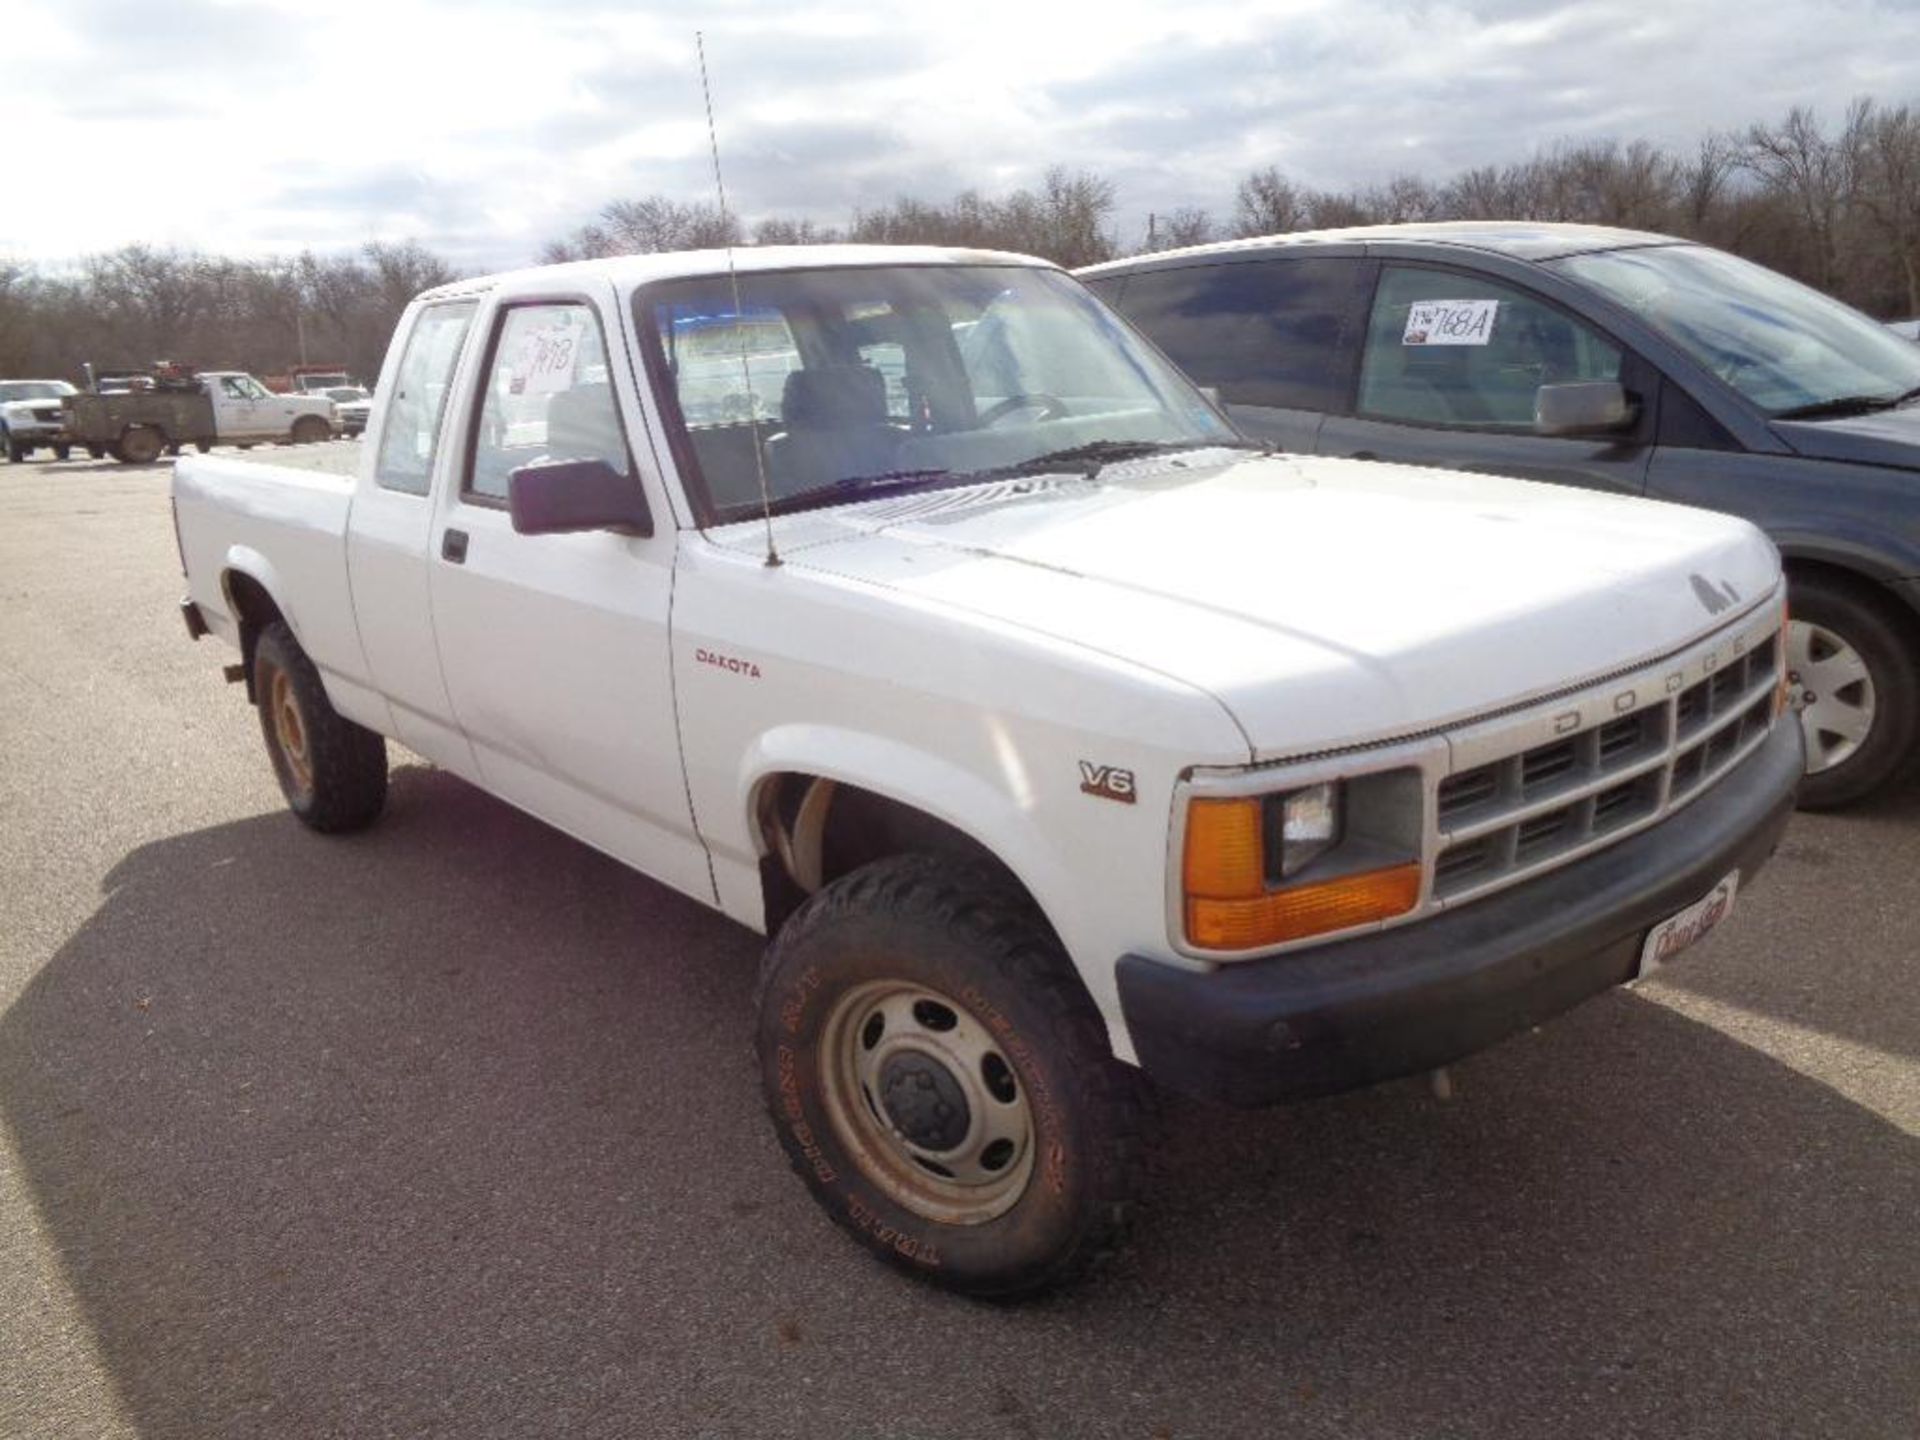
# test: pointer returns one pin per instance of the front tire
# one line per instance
(1853, 677)
(332, 771)
(942, 1082)
(310, 430)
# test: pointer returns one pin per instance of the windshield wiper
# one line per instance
(1844, 405)
(1090, 459)
(884, 482)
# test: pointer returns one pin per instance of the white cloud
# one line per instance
(255, 126)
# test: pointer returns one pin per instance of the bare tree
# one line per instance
(1890, 193)
(1816, 172)
(778, 231)
(1267, 204)
(1187, 225)
(646, 226)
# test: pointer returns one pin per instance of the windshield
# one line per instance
(1782, 345)
(34, 389)
(925, 374)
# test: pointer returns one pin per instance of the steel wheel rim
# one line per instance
(893, 1059)
(1832, 689)
(290, 730)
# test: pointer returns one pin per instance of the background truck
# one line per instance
(1060, 739)
(30, 417)
(226, 407)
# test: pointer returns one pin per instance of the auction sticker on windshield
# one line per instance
(1677, 932)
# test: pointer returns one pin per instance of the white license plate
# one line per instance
(1677, 932)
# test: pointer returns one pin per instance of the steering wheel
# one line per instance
(1050, 407)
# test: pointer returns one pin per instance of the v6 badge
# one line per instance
(1107, 782)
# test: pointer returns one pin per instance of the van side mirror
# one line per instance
(556, 497)
(1582, 407)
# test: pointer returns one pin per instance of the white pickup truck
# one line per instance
(906, 606)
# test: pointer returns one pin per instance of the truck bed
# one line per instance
(335, 457)
(283, 521)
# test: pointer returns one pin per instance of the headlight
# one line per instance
(1262, 870)
(1308, 823)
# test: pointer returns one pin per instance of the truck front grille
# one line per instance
(1526, 811)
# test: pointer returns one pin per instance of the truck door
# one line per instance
(236, 414)
(555, 647)
(388, 530)
(1451, 364)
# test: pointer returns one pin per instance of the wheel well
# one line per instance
(254, 609)
(1863, 587)
(815, 830)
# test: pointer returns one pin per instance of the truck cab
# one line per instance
(244, 410)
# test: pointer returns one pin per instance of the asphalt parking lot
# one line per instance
(452, 1128)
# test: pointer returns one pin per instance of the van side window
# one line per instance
(548, 397)
(1265, 332)
(410, 437)
(1449, 348)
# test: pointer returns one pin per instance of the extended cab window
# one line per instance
(1268, 332)
(548, 397)
(411, 436)
(1448, 348)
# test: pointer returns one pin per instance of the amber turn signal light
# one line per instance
(1225, 859)
(1302, 910)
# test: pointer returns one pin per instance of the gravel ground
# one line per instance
(451, 1128)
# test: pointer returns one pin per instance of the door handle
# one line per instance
(453, 546)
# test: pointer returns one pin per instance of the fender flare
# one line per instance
(247, 561)
(991, 817)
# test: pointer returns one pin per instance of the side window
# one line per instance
(1446, 348)
(1264, 332)
(231, 386)
(548, 397)
(412, 430)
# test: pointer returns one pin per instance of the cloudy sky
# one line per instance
(485, 127)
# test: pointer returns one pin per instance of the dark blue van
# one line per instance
(1613, 359)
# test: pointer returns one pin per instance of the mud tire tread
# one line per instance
(981, 908)
(349, 761)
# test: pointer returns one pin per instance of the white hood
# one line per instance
(1326, 603)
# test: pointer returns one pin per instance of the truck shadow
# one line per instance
(452, 1128)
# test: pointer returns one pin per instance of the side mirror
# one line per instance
(559, 496)
(1583, 407)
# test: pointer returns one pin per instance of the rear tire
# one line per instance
(16, 452)
(941, 1080)
(96, 452)
(1855, 683)
(61, 452)
(332, 771)
(141, 445)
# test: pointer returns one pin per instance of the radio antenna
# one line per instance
(739, 315)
